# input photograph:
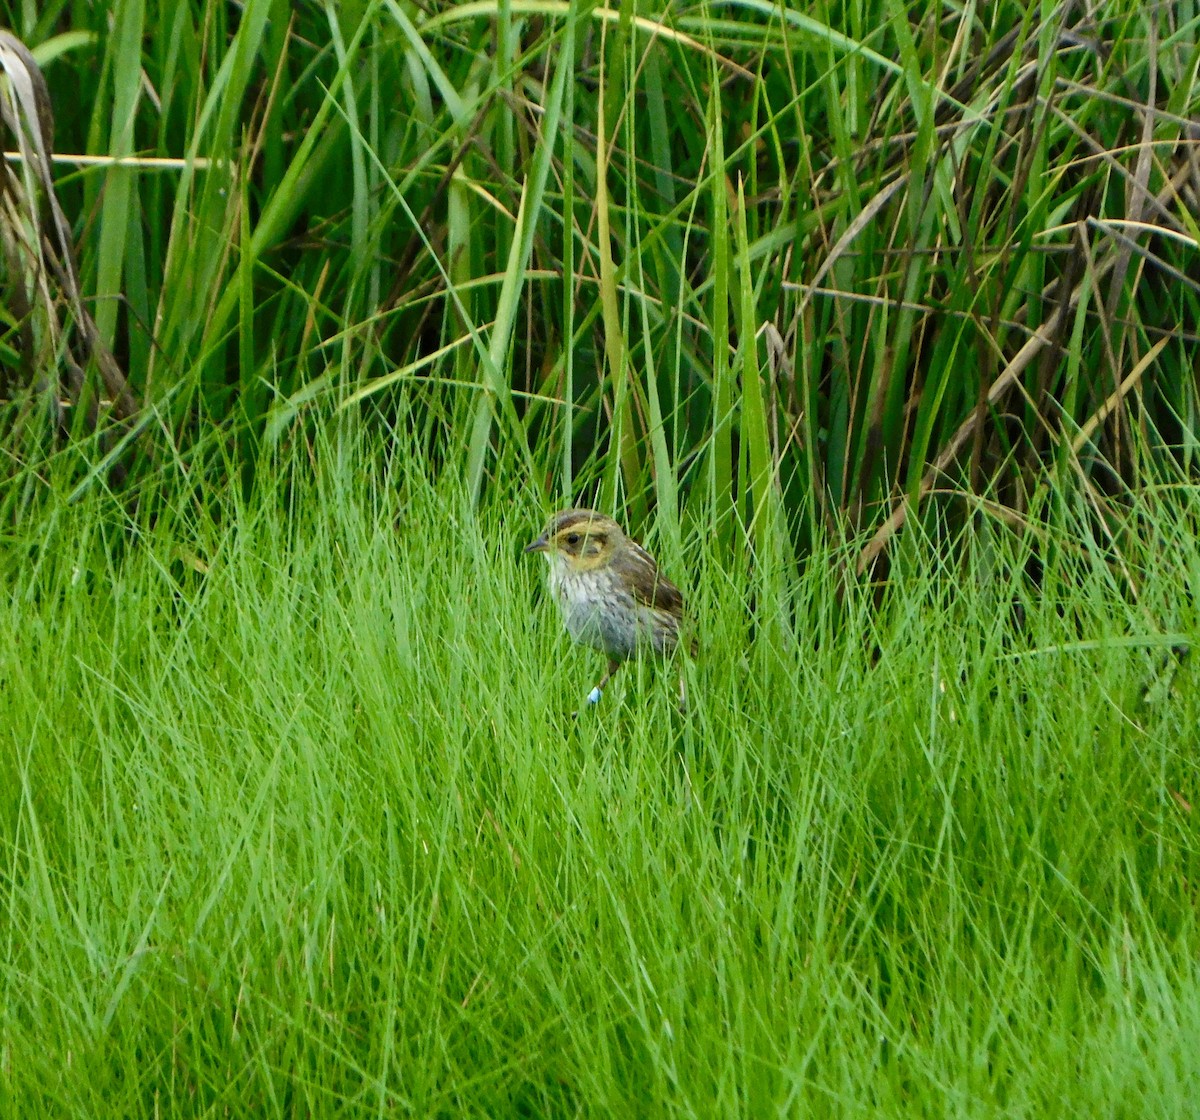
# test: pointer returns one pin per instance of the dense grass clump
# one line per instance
(294, 820)
(876, 319)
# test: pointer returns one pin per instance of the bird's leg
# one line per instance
(593, 697)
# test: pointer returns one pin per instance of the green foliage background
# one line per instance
(842, 253)
(293, 821)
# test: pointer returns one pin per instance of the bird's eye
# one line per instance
(572, 539)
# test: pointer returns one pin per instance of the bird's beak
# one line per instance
(540, 545)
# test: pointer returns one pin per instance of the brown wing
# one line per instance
(651, 589)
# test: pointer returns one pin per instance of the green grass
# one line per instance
(293, 821)
(875, 317)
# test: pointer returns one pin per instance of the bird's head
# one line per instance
(579, 540)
